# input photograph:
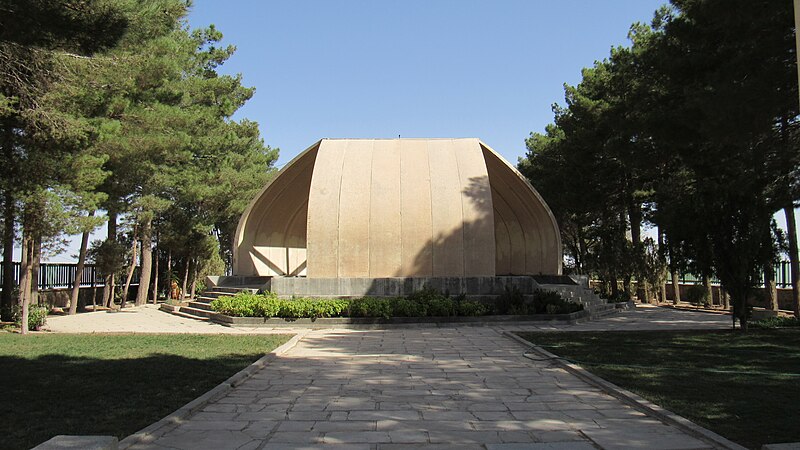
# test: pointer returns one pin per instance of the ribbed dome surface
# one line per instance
(379, 208)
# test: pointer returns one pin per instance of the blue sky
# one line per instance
(414, 68)
(435, 68)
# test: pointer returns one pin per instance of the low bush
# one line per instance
(542, 302)
(246, 304)
(311, 308)
(424, 303)
(405, 307)
(37, 316)
(510, 302)
(441, 307)
(472, 308)
(370, 307)
(620, 297)
(697, 295)
(775, 322)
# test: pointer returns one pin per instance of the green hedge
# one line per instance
(425, 303)
(775, 322)
(37, 316)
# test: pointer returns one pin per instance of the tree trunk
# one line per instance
(194, 280)
(94, 297)
(26, 269)
(709, 289)
(662, 291)
(108, 282)
(112, 293)
(582, 249)
(76, 285)
(185, 279)
(676, 288)
(147, 261)
(169, 266)
(9, 217)
(168, 281)
(739, 301)
(7, 299)
(635, 217)
(626, 286)
(770, 287)
(130, 269)
(794, 264)
(36, 265)
(724, 298)
(155, 275)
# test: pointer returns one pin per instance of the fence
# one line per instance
(62, 275)
(783, 277)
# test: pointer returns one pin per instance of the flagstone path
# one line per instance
(408, 388)
(437, 388)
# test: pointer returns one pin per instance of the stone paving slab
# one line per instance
(148, 319)
(467, 387)
(433, 388)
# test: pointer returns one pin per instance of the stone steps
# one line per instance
(199, 304)
(185, 312)
(591, 302)
(200, 307)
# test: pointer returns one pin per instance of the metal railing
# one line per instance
(783, 276)
(62, 275)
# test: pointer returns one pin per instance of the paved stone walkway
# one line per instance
(439, 388)
(148, 319)
(142, 319)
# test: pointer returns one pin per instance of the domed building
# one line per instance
(397, 208)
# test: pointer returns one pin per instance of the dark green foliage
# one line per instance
(37, 316)
(550, 302)
(697, 295)
(441, 307)
(246, 304)
(82, 26)
(406, 307)
(370, 307)
(303, 307)
(692, 128)
(510, 302)
(620, 297)
(542, 302)
(472, 308)
(776, 322)
(425, 303)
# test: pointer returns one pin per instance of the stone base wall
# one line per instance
(398, 287)
(234, 281)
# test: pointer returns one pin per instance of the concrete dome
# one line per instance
(378, 208)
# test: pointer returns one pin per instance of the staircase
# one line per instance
(596, 306)
(200, 308)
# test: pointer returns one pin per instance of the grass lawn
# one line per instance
(110, 384)
(745, 387)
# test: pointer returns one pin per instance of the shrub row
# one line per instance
(543, 302)
(775, 322)
(424, 303)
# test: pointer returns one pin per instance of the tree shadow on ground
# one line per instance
(738, 385)
(54, 394)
